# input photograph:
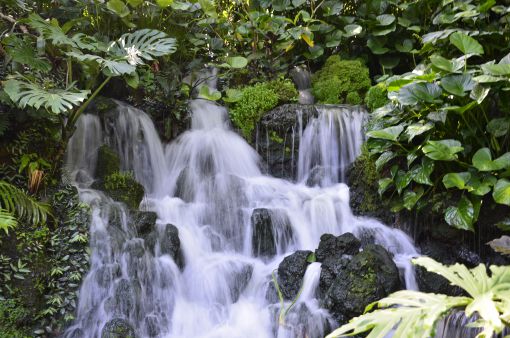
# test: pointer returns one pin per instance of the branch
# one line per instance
(13, 21)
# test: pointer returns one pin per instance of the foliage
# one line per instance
(15, 202)
(446, 127)
(414, 313)
(123, 187)
(341, 81)
(377, 97)
(11, 315)
(251, 102)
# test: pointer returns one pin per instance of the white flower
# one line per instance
(133, 56)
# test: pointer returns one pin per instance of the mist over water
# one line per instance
(207, 183)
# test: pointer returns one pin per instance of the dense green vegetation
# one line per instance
(434, 74)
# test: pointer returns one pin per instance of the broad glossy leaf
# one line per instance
(136, 3)
(499, 127)
(208, 94)
(110, 66)
(237, 62)
(376, 47)
(23, 51)
(481, 187)
(383, 159)
(466, 44)
(49, 31)
(164, 3)
(458, 84)
(233, 95)
(444, 64)
(479, 93)
(456, 180)
(421, 173)
(496, 69)
(418, 128)
(488, 79)
(402, 180)
(444, 150)
(353, 29)
(385, 19)
(118, 7)
(501, 192)
(143, 44)
(411, 197)
(414, 93)
(405, 47)
(384, 184)
(439, 116)
(461, 216)
(390, 133)
(482, 160)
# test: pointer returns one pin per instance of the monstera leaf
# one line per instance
(112, 67)
(50, 30)
(58, 101)
(23, 51)
(144, 44)
(410, 314)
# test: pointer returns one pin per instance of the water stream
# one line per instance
(207, 184)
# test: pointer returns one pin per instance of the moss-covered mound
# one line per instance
(377, 96)
(123, 187)
(341, 81)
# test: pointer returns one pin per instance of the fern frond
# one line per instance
(15, 201)
(7, 221)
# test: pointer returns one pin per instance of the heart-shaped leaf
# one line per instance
(351, 30)
(414, 93)
(456, 180)
(391, 133)
(461, 216)
(482, 160)
(458, 84)
(444, 150)
(450, 66)
(466, 44)
(501, 192)
(385, 19)
(499, 127)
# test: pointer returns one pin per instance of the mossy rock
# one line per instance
(341, 81)
(118, 328)
(123, 187)
(108, 162)
(101, 105)
(377, 97)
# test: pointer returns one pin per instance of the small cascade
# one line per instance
(329, 144)
(303, 80)
(207, 187)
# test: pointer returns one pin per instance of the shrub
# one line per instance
(377, 96)
(341, 81)
(257, 99)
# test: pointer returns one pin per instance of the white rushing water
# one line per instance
(207, 183)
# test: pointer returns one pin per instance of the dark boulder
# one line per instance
(263, 241)
(107, 273)
(144, 221)
(240, 279)
(336, 246)
(152, 326)
(291, 272)
(330, 269)
(369, 276)
(169, 243)
(118, 328)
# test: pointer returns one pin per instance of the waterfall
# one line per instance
(329, 144)
(207, 184)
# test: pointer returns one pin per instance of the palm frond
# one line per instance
(16, 202)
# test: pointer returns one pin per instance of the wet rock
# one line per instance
(316, 176)
(369, 276)
(124, 299)
(152, 326)
(108, 162)
(118, 328)
(169, 243)
(134, 248)
(241, 278)
(330, 269)
(263, 241)
(331, 246)
(76, 333)
(144, 221)
(291, 272)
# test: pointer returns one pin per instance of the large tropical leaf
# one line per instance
(443, 150)
(50, 30)
(23, 51)
(466, 44)
(113, 67)
(7, 221)
(410, 314)
(143, 44)
(17, 203)
(58, 101)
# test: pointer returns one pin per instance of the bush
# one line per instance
(257, 99)
(341, 81)
(377, 96)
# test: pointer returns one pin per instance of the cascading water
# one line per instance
(208, 184)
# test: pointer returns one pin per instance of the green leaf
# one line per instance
(458, 84)
(132, 80)
(414, 93)
(499, 127)
(233, 95)
(496, 69)
(383, 159)
(143, 44)
(136, 3)
(444, 150)
(479, 93)
(58, 101)
(385, 19)
(352, 30)
(22, 51)
(504, 224)
(450, 66)
(237, 62)
(466, 44)
(50, 31)
(482, 160)
(7, 221)
(206, 93)
(456, 180)
(416, 129)
(481, 187)
(164, 3)
(501, 192)
(402, 180)
(390, 133)
(376, 47)
(461, 216)
(118, 7)
(110, 67)
(384, 184)
(411, 197)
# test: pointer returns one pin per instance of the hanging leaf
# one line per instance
(411, 197)
(402, 180)
(237, 62)
(164, 3)
(479, 93)
(421, 173)
(208, 94)
(466, 44)
(481, 187)
(384, 184)
(383, 159)
(496, 69)
(385, 19)
(501, 192)
(390, 133)
(499, 127)
(233, 95)
(444, 150)
(458, 84)
(110, 67)
(450, 66)
(118, 7)
(416, 129)
(461, 216)
(456, 180)
(58, 101)
(376, 47)
(49, 31)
